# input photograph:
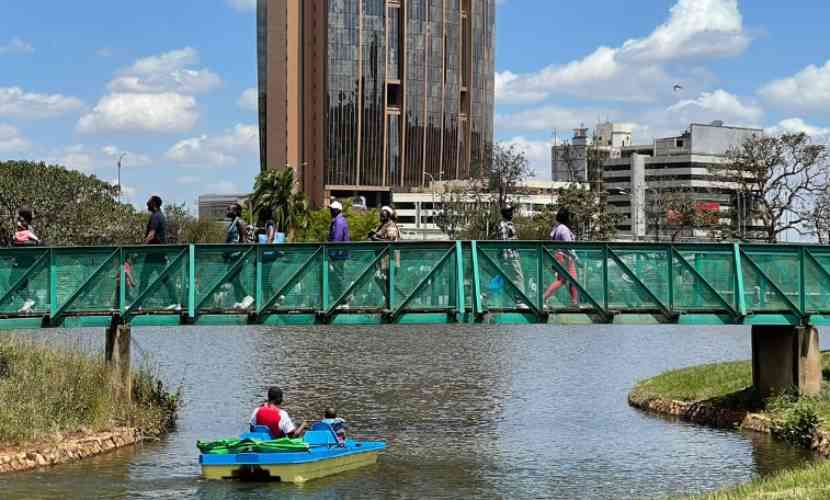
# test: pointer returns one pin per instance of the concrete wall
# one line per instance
(715, 140)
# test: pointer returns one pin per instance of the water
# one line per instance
(486, 412)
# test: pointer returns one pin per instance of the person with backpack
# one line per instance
(235, 234)
(511, 258)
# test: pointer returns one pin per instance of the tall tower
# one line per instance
(370, 96)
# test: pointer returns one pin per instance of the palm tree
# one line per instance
(274, 190)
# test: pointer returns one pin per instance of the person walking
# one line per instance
(511, 258)
(338, 233)
(387, 231)
(24, 236)
(155, 261)
(235, 234)
(562, 232)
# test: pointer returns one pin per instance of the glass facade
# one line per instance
(406, 90)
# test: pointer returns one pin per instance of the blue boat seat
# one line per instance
(321, 434)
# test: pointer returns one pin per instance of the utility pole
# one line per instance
(120, 158)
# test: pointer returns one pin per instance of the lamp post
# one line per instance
(120, 158)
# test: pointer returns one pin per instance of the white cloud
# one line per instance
(74, 157)
(219, 151)
(717, 105)
(188, 180)
(249, 99)
(130, 159)
(168, 72)
(807, 90)
(16, 46)
(548, 118)
(634, 71)
(242, 5)
(11, 141)
(537, 154)
(167, 112)
(16, 102)
(796, 126)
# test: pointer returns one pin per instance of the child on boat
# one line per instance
(338, 425)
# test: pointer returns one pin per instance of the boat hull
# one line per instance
(290, 473)
(292, 467)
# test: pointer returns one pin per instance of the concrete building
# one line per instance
(569, 161)
(681, 163)
(213, 206)
(368, 97)
(416, 210)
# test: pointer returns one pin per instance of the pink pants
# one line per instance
(560, 280)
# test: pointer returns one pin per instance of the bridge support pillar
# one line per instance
(118, 357)
(785, 357)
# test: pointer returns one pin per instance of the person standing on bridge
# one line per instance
(24, 236)
(562, 232)
(338, 233)
(511, 258)
(156, 234)
(236, 233)
(387, 231)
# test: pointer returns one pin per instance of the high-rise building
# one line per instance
(366, 97)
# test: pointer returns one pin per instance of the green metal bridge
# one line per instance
(410, 283)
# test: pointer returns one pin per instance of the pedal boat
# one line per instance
(323, 457)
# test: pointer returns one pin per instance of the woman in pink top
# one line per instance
(562, 232)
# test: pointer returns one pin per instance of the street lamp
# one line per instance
(120, 158)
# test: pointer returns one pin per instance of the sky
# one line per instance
(171, 85)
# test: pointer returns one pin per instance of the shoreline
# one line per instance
(708, 414)
(67, 448)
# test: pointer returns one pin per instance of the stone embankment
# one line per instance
(67, 448)
(707, 414)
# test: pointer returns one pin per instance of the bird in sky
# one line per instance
(677, 87)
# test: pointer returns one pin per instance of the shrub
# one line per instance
(795, 419)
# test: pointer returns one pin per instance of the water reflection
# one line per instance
(488, 412)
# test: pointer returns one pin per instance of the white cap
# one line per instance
(336, 205)
(387, 209)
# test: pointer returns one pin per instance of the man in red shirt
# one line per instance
(275, 418)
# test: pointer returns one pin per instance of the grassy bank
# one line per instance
(728, 385)
(45, 391)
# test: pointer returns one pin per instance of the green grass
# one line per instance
(812, 482)
(45, 391)
(729, 385)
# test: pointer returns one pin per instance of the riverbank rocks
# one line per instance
(707, 414)
(65, 448)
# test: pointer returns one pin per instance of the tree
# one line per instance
(782, 174)
(682, 209)
(70, 208)
(275, 190)
(590, 216)
(472, 209)
(319, 221)
(818, 219)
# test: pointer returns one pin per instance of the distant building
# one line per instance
(680, 163)
(213, 206)
(416, 210)
(569, 161)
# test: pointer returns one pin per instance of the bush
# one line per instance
(795, 419)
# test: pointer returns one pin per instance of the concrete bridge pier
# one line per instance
(118, 357)
(786, 357)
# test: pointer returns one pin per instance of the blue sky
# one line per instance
(170, 83)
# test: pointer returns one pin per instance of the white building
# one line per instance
(674, 163)
(569, 161)
(416, 210)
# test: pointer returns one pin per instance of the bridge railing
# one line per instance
(415, 282)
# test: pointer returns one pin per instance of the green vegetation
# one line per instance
(812, 482)
(70, 208)
(727, 385)
(360, 223)
(274, 192)
(45, 391)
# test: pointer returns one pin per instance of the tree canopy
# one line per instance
(70, 208)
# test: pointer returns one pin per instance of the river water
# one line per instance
(485, 412)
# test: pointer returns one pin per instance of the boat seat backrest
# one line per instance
(321, 433)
